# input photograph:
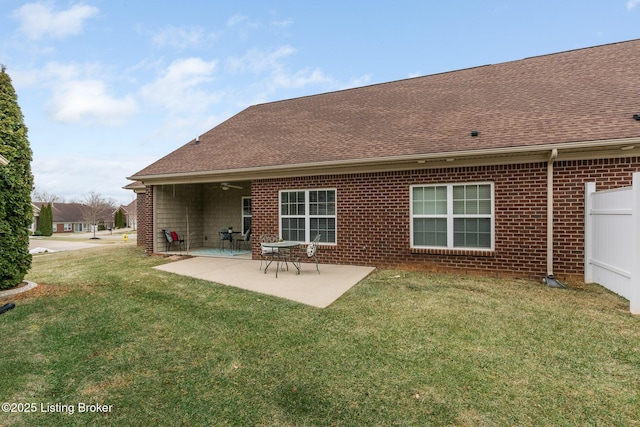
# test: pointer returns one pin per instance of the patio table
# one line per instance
(284, 251)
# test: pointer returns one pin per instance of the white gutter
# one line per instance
(535, 153)
(552, 158)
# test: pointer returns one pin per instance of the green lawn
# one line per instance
(400, 348)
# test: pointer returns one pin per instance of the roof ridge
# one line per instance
(441, 73)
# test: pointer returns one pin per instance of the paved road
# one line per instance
(76, 241)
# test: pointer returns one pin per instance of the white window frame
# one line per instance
(450, 216)
(243, 215)
(307, 216)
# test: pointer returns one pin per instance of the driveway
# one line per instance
(75, 241)
(39, 245)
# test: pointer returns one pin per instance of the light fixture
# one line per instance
(628, 147)
(636, 117)
(475, 133)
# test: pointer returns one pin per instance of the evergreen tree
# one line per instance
(119, 219)
(45, 223)
(16, 184)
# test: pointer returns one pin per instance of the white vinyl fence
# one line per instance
(612, 240)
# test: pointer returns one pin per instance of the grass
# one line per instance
(400, 348)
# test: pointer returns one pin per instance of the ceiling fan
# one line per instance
(225, 186)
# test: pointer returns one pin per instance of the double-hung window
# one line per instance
(306, 213)
(246, 214)
(452, 216)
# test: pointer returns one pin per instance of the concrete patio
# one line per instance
(310, 288)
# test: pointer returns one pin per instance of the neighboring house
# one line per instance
(3, 161)
(478, 170)
(72, 217)
(140, 189)
(130, 213)
(36, 217)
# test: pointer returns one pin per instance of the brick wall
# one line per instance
(145, 219)
(374, 216)
(570, 178)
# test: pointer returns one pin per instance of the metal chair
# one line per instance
(245, 242)
(266, 253)
(173, 237)
(312, 251)
(225, 236)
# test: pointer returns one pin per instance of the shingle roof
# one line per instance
(581, 95)
(73, 212)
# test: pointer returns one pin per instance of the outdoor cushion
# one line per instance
(311, 249)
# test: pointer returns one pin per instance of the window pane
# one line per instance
(484, 207)
(430, 232)
(472, 232)
(472, 199)
(418, 207)
(471, 207)
(430, 200)
(292, 203)
(484, 192)
(484, 199)
(322, 202)
(326, 227)
(293, 229)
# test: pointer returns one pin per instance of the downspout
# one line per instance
(549, 279)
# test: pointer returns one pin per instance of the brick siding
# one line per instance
(373, 216)
(145, 219)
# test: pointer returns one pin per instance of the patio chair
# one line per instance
(225, 236)
(312, 251)
(173, 237)
(245, 242)
(266, 253)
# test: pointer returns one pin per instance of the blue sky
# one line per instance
(109, 86)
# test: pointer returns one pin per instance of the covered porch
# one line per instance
(197, 212)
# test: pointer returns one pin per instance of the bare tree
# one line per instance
(97, 209)
(42, 196)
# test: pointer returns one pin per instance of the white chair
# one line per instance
(312, 251)
(267, 253)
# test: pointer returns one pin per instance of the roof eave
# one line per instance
(621, 147)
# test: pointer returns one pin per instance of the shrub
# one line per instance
(16, 184)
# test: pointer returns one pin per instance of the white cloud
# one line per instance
(632, 4)
(281, 78)
(79, 100)
(278, 74)
(38, 20)
(236, 20)
(79, 93)
(105, 176)
(179, 37)
(257, 61)
(181, 86)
